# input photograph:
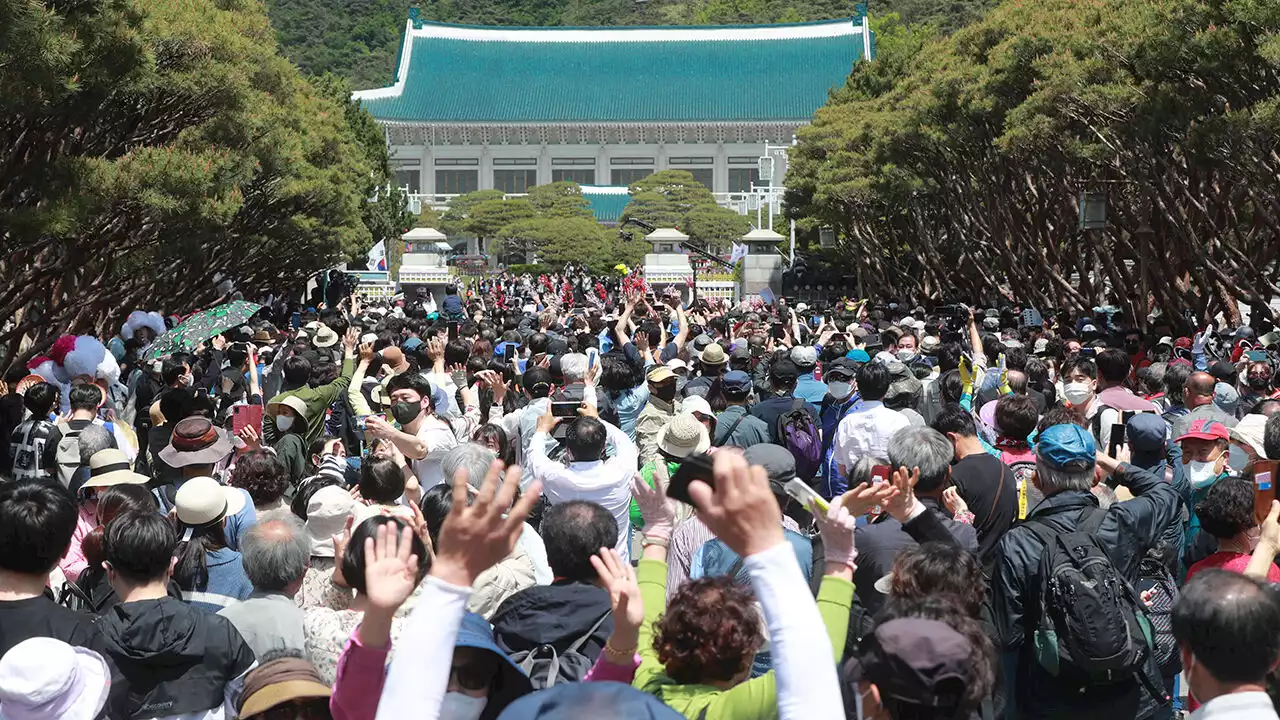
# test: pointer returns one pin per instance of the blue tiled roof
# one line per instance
(606, 202)
(452, 74)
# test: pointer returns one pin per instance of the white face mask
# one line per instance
(1077, 393)
(460, 706)
(284, 422)
(1202, 473)
(906, 355)
(839, 389)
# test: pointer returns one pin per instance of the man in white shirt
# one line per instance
(866, 430)
(1228, 631)
(588, 476)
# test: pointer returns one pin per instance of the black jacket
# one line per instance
(556, 614)
(174, 658)
(1129, 529)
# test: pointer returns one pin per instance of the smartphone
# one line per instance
(1264, 489)
(1088, 352)
(874, 341)
(509, 352)
(565, 408)
(879, 475)
(1117, 439)
(295, 320)
(695, 467)
(593, 354)
(243, 416)
(453, 331)
(779, 332)
(806, 496)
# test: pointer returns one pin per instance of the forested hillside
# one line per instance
(358, 39)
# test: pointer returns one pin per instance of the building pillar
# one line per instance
(428, 179)
(544, 164)
(720, 171)
(485, 181)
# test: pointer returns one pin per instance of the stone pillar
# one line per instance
(762, 267)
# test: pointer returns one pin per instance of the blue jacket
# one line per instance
(810, 388)
(831, 482)
(227, 583)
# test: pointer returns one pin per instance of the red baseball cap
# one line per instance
(1206, 429)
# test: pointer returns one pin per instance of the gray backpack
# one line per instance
(545, 667)
(67, 456)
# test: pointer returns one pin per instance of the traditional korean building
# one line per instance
(509, 108)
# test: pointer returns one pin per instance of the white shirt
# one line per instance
(865, 431)
(1237, 706)
(607, 482)
(438, 437)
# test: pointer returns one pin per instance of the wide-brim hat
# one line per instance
(196, 441)
(1249, 431)
(293, 402)
(683, 435)
(26, 383)
(201, 501)
(280, 681)
(713, 354)
(327, 513)
(263, 335)
(324, 337)
(43, 678)
(111, 467)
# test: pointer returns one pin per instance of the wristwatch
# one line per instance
(646, 541)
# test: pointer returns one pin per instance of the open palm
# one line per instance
(390, 567)
(619, 578)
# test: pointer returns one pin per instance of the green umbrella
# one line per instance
(200, 327)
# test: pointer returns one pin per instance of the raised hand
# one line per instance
(836, 528)
(350, 339)
(658, 511)
(366, 353)
(478, 536)
(901, 505)
(741, 510)
(390, 567)
(619, 578)
(860, 500)
(340, 542)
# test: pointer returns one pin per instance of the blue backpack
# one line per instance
(797, 432)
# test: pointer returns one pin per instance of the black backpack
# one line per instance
(1092, 628)
(545, 667)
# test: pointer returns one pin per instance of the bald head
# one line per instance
(1018, 382)
(1199, 389)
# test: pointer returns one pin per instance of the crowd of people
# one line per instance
(559, 497)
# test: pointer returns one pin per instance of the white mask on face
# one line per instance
(839, 389)
(460, 706)
(1077, 393)
(284, 422)
(1202, 473)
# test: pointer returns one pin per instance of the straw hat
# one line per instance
(111, 467)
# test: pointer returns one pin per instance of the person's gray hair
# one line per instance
(472, 457)
(275, 551)
(924, 448)
(1052, 480)
(92, 439)
(860, 471)
(573, 366)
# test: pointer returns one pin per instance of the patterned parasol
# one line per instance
(200, 327)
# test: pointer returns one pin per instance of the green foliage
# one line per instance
(672, 198)
(151, 147)
(360, 40)
(952, 165)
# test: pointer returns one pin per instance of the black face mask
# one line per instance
(406, 412)
(665, 392)
(1132, 347)
(1259, 382)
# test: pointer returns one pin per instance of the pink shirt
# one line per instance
(74, 563)
(1233, 561)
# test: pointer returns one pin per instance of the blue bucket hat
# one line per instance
(857, 355)
(1067, 447)
(512, 683)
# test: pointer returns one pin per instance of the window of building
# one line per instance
(679, 161)
(508, 162)
(741, 178)
(574, 161)
(586, 176)
(642, 161)
(409, 179)
(703, 175)
(626, 176)
(699, 167)
(457, 182)
(514, 181)
(457, 162)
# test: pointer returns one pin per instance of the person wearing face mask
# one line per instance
(421, 431)
(1079, 387)
(658, 411)
(840, 400)
(290, 413)
(1255, 386)
(1199, 459)
(1228, 632)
